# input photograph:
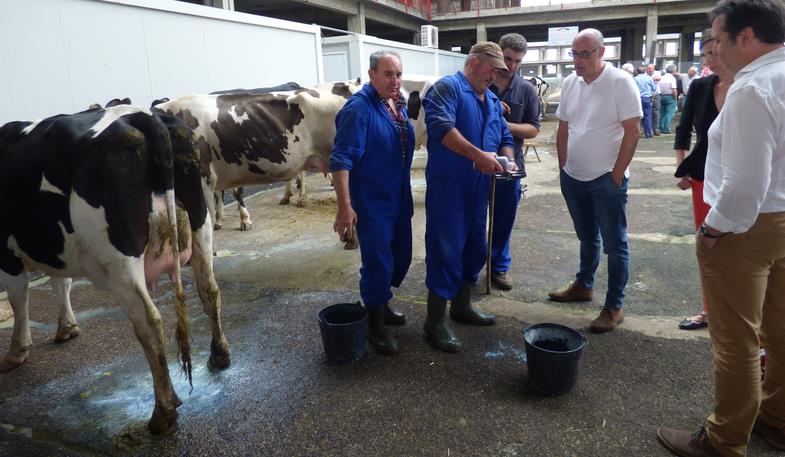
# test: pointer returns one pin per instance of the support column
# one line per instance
(356, 22)
(651, 34)
(632, 46)
(685, 49)
(482, 32)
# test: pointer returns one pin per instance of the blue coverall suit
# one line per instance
(368, 145)
(456, 196)
(521, 97)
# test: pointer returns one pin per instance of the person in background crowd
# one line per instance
(703, 103)
(668, 94)
(371, 161)
(522, 112)
(466, 131)
(655, 99)
(647, 89)
(598, 131)
(741, 244)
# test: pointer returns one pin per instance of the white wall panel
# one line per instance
(59, 56)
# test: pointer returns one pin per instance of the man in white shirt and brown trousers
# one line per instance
(741, 245)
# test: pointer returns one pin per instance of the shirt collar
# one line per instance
(777, 55)
(468, 87)
(605, 70)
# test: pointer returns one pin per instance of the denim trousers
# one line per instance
(667, 111)
(598, 210)
(646, 105)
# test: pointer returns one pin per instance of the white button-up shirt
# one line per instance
(745, 164)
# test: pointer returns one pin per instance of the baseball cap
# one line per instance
(493, 51)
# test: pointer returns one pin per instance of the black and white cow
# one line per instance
(93, 194)
(263, 138)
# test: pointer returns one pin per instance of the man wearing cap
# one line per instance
(598, 131)
(522, 113)
(466, 129)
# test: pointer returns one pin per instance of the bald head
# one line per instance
(591, 37)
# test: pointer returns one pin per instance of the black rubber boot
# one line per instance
(436, 330)
(461, 309)
(382, 341)
(393, 317)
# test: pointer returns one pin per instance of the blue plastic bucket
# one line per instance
(344, 329)
(553, 353)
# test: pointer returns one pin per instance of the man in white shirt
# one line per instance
(668, 94)
(741, 245)
(598, 131)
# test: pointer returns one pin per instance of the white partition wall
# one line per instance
(346, 57)
(61, 55)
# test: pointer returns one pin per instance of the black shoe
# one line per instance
(461, 309)
(378, 336)
(392, 317)
(691, 324)
(436, 330)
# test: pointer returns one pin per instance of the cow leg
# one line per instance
(202, 264)
(128, 286)
(66, 322)
(219, 209)
(245, 218)
(16, 287)
(301, 201)
(287, 193)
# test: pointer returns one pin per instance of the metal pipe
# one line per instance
(490, 235)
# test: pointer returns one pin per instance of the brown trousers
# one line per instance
(743, 277)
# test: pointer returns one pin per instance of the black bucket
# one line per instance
(344, 328)
(553, 352)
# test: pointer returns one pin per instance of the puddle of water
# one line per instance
(503, 350)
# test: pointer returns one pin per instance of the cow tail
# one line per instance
(183, 334)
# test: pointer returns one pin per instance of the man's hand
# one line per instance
(617, 176)
(710, 241)
(684, 183)
(486, 163)
(506, 108)
(345, 220)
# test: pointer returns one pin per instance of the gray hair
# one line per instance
(379, 55)
(628, 67)
(670, 69)
(514, 41)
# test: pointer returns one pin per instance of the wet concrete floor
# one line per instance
(93, 395)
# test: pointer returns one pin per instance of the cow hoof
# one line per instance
(162, 420)
(284, 201)
(216, 226)
(351, 244)
(219, 357)
(8, 363)
(301, 204)
(66, 333)
(245, 226)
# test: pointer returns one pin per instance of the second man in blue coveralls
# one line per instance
(522, 112)
(371, 161)
(466, 129)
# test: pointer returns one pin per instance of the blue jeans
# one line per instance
(667, 111)
(646, 105)
(598, 208)
(508, 195)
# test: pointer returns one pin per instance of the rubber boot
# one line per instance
(393, 317)
(436, 330)
(462, 310)
(382, 341)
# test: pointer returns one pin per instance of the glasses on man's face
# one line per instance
(582, 54)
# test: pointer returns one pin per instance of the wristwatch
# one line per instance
(704, 231)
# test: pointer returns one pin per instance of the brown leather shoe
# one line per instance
(608, 320)
(773, 435)
(685, 444)
(500, 280)
(576, 292)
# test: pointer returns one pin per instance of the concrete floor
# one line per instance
(93, 395)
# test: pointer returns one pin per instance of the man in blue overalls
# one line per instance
(522, 112)
(371, 161)
(466, 129)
